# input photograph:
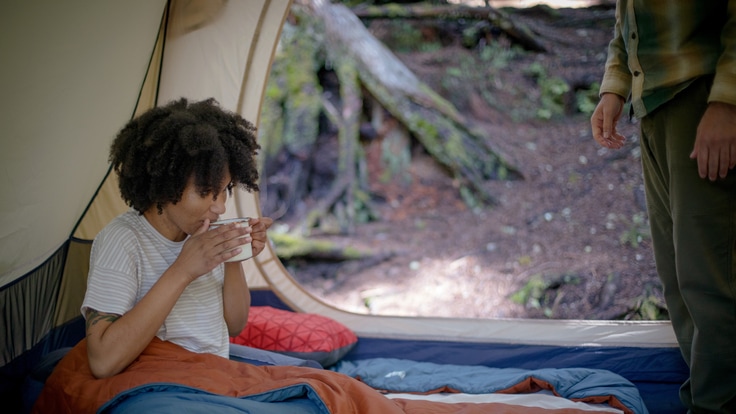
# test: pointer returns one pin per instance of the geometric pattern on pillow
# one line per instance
(302, 335)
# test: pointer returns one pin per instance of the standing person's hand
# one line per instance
(604, 119)
(715, 142)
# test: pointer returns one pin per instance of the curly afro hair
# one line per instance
(156, 153)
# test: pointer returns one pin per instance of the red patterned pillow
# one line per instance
(301, 335)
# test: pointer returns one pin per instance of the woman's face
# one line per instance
(188, 215)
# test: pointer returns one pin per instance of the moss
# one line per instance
(394, 9)
(289, 246)
(292, 105)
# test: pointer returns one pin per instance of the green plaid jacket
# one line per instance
(660, 46)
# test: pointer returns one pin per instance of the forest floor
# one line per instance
(569, 241)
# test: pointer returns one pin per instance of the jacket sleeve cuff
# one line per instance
(723, 89)
(616, 82)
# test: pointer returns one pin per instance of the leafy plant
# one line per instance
(543, 293)
(637, 230)
(587, 99)
(405, 37)
(530, 293)
(498, 55)
(552, 91)
(648, 307)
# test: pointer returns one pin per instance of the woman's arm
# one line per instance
(236, 298)
(114, 341)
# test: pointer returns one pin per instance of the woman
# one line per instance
(158, 270)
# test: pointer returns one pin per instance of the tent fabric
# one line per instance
(73, 74)
(79, 103)
(73, 80)
(41, 293)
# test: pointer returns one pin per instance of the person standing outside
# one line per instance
(676, 60)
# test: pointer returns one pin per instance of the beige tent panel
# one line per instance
(107, 204)
(74, 79)
(207, 53)
(228, 58)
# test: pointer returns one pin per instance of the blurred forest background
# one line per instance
(435, 159)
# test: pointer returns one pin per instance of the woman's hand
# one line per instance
(259, 226)
(207, 248)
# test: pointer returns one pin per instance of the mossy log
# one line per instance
(290, 246)
(436, 123)
(519, 33)
(290, 120)
(324, 48)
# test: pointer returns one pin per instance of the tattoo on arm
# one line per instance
(93, 317)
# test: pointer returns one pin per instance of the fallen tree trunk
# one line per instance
(325, 49)
(291, 247)
(436, 123)
(518, 32)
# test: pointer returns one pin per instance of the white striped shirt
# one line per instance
(128, 257)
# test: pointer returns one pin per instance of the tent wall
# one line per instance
(219, 49)
(106, 204)
(71, 75)
(79, 70)
(76, 72)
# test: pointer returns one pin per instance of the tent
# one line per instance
(75, 71)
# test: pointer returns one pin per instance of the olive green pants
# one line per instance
(693, 224)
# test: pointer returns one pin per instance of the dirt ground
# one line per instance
(570, 241)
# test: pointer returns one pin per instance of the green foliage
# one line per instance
(498, 55)
(405, 37)
(289, 246)
(536, 70)
(470, 200)
(364, 213)
(525, 260)
(471, 72)
(503, 173)
(648, 307)
(532, 291)
(587, 99)
(574, 178)
(541, 293)
(396, 157)
(292, 92)
(637, 230)
(552, 91)
(353, 3)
